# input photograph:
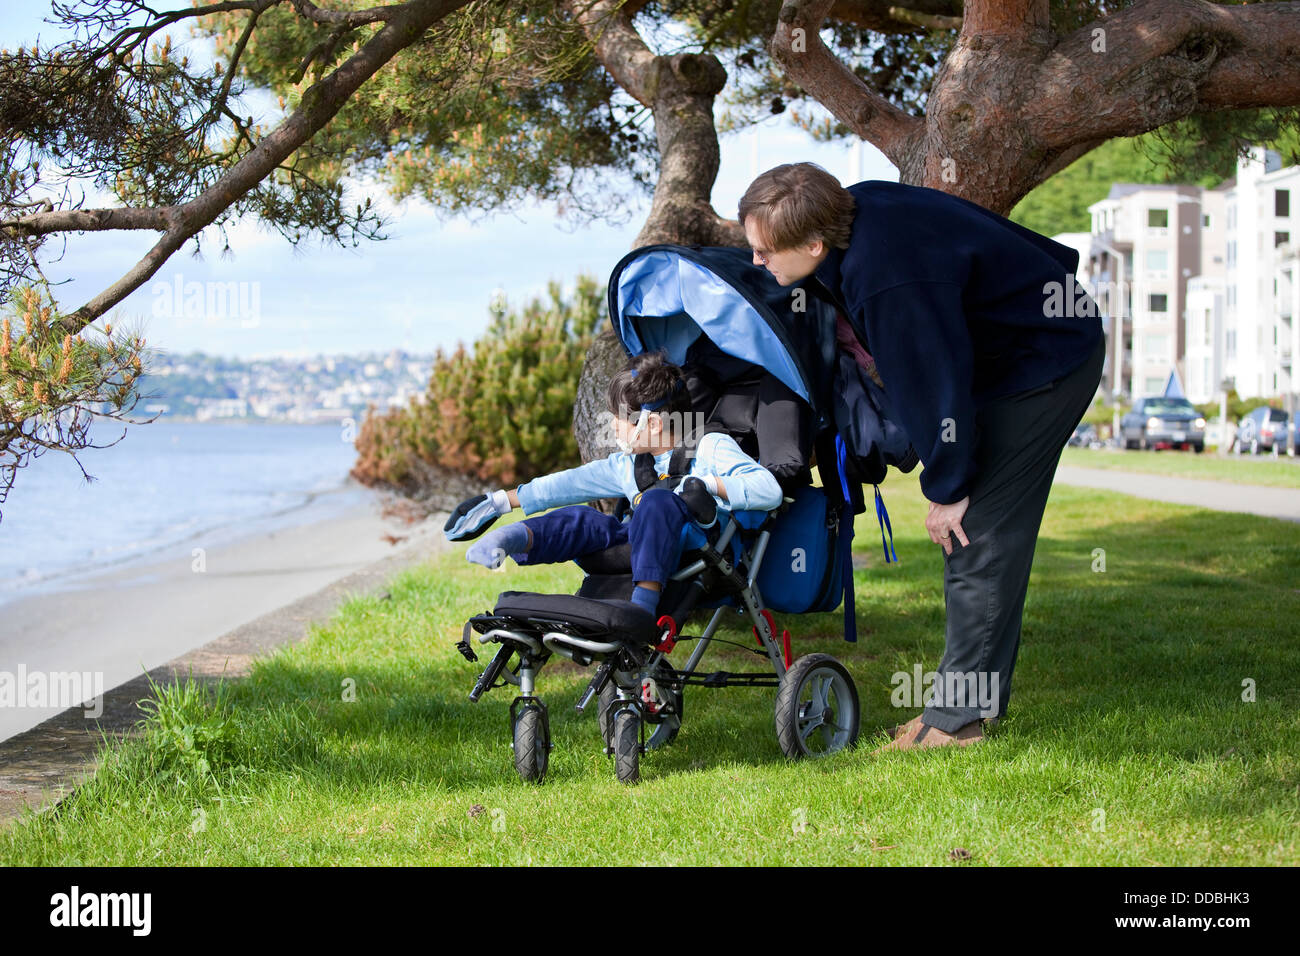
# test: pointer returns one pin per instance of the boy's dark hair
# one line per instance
(650, 379)
(797, 203)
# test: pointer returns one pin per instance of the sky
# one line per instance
(428, 285)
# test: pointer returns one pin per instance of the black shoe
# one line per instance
(703, 509)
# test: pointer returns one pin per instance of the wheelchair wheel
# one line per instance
(663, 733)
(532, 745)
(816, 708)
(605, 708)
(627, 745)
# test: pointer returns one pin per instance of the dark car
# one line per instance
(1163, 423)
(1261, 429)
(1085, 436)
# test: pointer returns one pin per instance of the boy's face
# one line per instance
(786, 265)
(649, 435)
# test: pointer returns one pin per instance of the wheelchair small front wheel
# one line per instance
(816, 708)
(627, 745)
(532, 745)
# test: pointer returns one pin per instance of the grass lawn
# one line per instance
(1283, 472)
(1128, 741)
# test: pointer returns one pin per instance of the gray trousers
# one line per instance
(1018, 442)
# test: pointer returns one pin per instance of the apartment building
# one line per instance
(1260, 318)
(1204, 281)
(1147, 244)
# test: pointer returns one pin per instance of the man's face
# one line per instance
(786, 265)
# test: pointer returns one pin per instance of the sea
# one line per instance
(163, 485)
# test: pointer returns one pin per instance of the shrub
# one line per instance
(496, 414)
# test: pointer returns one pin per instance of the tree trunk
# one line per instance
(679, 90)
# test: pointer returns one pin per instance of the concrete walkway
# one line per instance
(1268, 502)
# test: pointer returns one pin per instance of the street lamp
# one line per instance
(1228, 384)
(1117, 332)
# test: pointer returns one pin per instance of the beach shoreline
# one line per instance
(118, 622)
(41, 765)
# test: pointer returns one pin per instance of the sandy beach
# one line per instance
(122, 622)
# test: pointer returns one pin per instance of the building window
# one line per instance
(1207, 326)
(1159, 218)
(1157, 261)
(1281, 239)
(1205, 221)
(1157, 302)
(1156, 346)
(1281, 202)
(1154, 386)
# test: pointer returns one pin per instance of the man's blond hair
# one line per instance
(797, 203)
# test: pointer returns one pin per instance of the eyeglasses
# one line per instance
(762, 256)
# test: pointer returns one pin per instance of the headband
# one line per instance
(661, 402)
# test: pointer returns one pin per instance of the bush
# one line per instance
(496, 415)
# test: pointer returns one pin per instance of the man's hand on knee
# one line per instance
(944, 523)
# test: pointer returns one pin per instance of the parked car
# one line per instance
(1260, 429)
(1085, 436)
(1161, 422)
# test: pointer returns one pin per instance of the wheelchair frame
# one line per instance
(636, 685)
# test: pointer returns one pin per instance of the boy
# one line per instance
(650, 405)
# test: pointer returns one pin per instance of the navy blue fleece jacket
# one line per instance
(958, 306)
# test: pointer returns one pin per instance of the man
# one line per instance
(991, 354)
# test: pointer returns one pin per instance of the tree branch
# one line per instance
(355, 18)
(90, 220)
(797, 46)
(679, 91)
(880, 16)
(926, 21)
(617, 45)
(1160, 61)
(319, 104)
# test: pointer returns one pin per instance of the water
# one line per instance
(162, 486)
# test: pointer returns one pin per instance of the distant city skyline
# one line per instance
(427, 287)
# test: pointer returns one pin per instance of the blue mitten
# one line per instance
(475, 515)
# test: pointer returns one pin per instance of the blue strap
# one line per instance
(846, 547)
(882, 516)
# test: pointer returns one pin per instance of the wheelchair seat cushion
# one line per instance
(615, 560)
(593, 618)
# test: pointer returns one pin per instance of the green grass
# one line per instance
(1283, 472)
(1127, 741)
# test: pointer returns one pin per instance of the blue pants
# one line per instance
(659, 531)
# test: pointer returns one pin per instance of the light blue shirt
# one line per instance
(750, 486)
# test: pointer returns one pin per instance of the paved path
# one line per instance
(1260, 500)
